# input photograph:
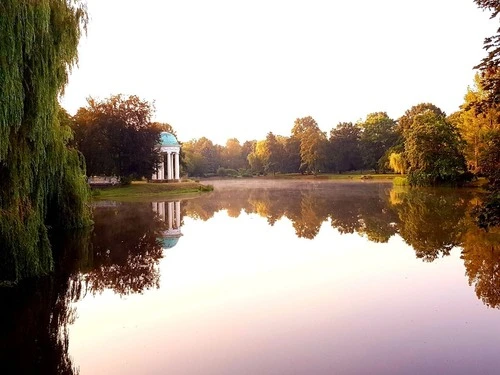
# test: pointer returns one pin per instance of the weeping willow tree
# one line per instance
(42, 181)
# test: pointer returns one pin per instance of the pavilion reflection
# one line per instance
(170, 214)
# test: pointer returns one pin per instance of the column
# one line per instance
(170, 210)
(171, 166)
(178, 214)
(177, 169)
(161, 171)
(161, 210)
(167, 177)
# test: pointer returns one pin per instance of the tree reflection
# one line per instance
(126, 249)
(481, 255)
(36, 313)
(432, 221)
(350, 207)
(121, 253)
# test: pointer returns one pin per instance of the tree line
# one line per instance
(117, 137)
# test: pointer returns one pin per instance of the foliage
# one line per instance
(489, 65)
(488, 215)
(475, 126)
(202, 157)
(117, 138)
(256, 158)
(378, 135)
(397, 162)
(433, 151)
(274, 153)
(39, 175)
(232, 156)
(227, 172)
(400, 181)
(405, 122)
(344, 149)
(313, 144)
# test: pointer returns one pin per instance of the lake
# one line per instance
(266, 277)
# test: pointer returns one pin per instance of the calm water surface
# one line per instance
(272, 278)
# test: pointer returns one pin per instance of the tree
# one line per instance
(378, 135)
(165, 127)
(274, 151)
(312, 144)
(406, 121)
(232, 155)
(433, 151)
(39, 174)
(489, 65)
(202, 157)
(257, 158)
(344, 154)
(117, 138)
(291, 157)
(473, 125)
(489, 214)
(397, 162)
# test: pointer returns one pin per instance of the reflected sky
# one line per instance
(368, 287)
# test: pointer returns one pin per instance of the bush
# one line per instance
(400, 181)
(223, 172)
(206, 187)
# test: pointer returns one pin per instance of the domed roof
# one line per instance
(168, 242)
(168, 139)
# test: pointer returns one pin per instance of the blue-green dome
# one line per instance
(168, 242)
(168, 139)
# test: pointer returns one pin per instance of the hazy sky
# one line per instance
(230, 68)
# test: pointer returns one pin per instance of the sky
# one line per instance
(240, 69)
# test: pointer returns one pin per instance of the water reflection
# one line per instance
(35, 315)
(125, 249)
(431, 221)
(170, 214)
(481, 255)
(121, 252)
(364, 209)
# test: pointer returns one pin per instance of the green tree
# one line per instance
(313, 144)
(344, 154)
(39, 174)
(433, 151)
(257, 158)
(397, 162)
(488, 214)
(117, 138)
(473, 125)
(202, 157)
(291, 156)
(378, 135)
(489, 65)
(406, 121)
(274, 154)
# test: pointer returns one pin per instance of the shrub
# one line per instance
(400, 181)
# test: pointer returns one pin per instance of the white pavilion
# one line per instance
(169, 169)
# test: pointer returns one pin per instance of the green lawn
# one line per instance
(150, 190)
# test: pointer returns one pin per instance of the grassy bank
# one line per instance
(144, 190)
